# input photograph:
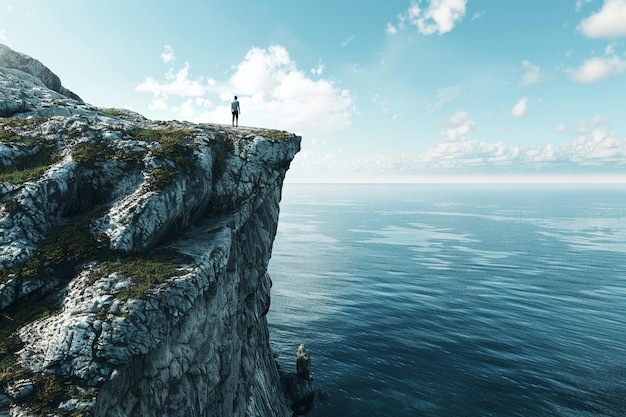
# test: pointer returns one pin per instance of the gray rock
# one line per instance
(10, 59)
(148, 242)
(20, 389)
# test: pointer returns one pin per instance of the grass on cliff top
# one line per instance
(275, 134)
(177, 145)
(112, 112)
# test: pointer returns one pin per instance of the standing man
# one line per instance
(234, 108)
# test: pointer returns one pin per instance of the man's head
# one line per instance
(235, 97)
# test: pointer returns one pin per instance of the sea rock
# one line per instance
(303, 363)
(299, 385)
(133, 257)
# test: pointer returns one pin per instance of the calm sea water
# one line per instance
(441, 300)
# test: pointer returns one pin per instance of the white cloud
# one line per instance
(176, 84)
(580, 3)
(598, 146)
(478, 15)
(186, 109)
(532, 74)
(168, 54)
(560, 128)
(262, 70)
(610, 49)
(3, 36)
(190, 107)
(273, 92)
(158, 103)
(347, 41)
(456, 128)
(602, 150)
(439, 16)
(467, 153)
(586, 126)
(598, 68)
(446, 94)
(520, 108)
(607, 23)
(391, 29)
(319, 70)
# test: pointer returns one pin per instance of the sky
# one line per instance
(380, 91)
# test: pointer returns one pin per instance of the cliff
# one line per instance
(133, 258)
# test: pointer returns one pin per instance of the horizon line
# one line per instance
(469, 179)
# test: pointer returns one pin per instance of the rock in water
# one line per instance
(299, 386)
(133, 258)
(303, 363)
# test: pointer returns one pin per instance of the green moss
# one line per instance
(9, 322)
(172, 149)
(72, 242)
(146, 134)
(182, 134)
(50, 390)
(91, 152)
(102, 314)
(223, 148)
(7, 136)
(275, 134)
(7, 362)
(112, 112)
(175, 145)
(17, 123)
(31, 167)
(10, 343)
(162, 177)
(146, 271)
(13, 371)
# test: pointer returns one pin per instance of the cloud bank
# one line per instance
(438, 17)
(598, 68)
(271, 89)
(607, 23)
(595, 149)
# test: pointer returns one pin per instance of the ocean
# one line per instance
(454, 300)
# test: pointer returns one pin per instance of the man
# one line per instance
(234, 108)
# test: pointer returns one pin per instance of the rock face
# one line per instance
(133, 258)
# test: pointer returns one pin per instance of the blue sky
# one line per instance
(394, 90)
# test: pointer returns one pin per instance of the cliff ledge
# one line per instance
(133, 258)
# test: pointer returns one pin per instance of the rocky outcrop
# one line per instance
(30, 86)
(133, 258)
(299, 386)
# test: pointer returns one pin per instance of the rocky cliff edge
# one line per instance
(133, 258)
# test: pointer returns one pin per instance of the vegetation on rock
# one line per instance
(32, 165)
(146, 271)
